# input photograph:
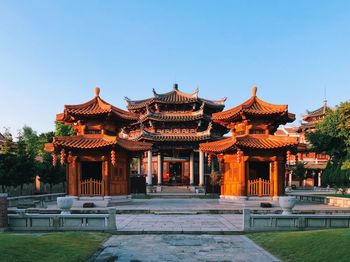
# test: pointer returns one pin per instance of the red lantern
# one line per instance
(209, 160)
(63, 156)
(54, 159)
(239, 155)
(288, 156)
(113, 157)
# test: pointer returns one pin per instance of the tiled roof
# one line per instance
(98, 141)
(198, 136)
(94, 107)
(248, 141)
(172, 116)
(254, 107)
(174, 97)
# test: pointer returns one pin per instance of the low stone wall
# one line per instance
(3, 211)
(274, 222)
(57, 222)
(328, 200)
(37, 200)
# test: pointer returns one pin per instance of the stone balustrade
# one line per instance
(327, 200)
(3, 211)
(37, 200)
(276, 222)
(56, 222)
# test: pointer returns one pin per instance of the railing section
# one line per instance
(91, 187)
(259, 187)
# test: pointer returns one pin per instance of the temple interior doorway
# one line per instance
(175, 173)
(259, 170)
(91, 169)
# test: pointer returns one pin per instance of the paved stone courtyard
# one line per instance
(148, 223)
(182, 248)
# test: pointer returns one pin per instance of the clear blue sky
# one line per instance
(54, 52)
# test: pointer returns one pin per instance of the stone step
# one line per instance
(174, 212)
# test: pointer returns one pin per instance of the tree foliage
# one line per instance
(332, 136)
(23, 160)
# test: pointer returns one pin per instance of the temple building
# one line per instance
(97, 158)
(175, 123)
(252, 159)
(314, 162)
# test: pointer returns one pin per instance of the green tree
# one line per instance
(332, 136)
(23, 170)
(63, 130)
(7, 160)
(50, 174)
(300, 172)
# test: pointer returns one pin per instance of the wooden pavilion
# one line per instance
(175, 123)
(253, 159)
(97, 159)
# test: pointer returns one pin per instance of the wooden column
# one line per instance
(139, 165)
(191, 168)
(275, 179)
(149, 168)
(201, 168)
(244, 172)
(160, 168)
(319, 179)
(106, 179)
(272, 170)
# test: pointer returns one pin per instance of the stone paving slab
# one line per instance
(148, 223)
(182, 248)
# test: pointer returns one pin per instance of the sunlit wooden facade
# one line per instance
(252, 159)
(97, 159)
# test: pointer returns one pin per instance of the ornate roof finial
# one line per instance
(97, 91)
(254, 89)
(176, 87)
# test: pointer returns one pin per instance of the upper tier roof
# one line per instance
(257, 108)
(96, 141)
(251, 141)
(175, 97)
(172, 116)
(94, 107)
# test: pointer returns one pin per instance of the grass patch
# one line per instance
(65, 247)
(334, 195)
(318, 245)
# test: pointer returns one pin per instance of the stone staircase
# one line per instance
(177, 192)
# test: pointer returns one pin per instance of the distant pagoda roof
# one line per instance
(95, 141)
(175, 97)
(95, 107)
(251, 141)
(255, 107)
(319, 112)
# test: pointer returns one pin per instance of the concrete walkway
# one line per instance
(215, 206)
(179, 223)
(181, 248)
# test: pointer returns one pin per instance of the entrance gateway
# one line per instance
(174, 136)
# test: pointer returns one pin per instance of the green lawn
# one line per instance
(334, 195)
(68, 246)
(319, 245)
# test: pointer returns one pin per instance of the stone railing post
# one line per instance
(3, 212)
(112, 223)
(246, 219)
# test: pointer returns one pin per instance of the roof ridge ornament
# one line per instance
(254, 90)
(97, 91)
(176, 87)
